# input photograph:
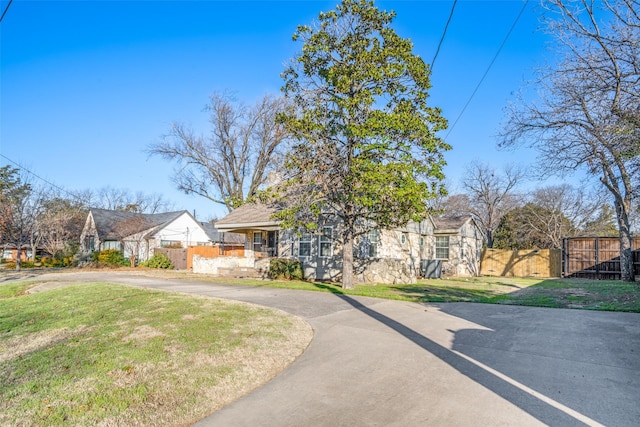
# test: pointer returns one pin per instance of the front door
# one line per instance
(272, 243)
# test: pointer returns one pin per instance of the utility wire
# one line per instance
(443, 34)
(488, 68)
(74, 196)
(5, 10)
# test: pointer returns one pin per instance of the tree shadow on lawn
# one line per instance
(427, 293)
(539, 406)
(551, 293)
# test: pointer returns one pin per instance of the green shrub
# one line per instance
(282, 268)
(11, 265)
(159, 261)
(112, 257)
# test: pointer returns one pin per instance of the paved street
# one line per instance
(387, 363)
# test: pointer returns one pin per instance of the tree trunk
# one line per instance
(347, 261)
(18, 257)
(626, 240)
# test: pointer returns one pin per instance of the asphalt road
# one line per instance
(387, 363)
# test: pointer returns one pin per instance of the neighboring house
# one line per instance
(399, 255)
(137, 235)
(9, 252)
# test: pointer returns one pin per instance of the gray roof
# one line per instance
(218, 236)
(113, 225)
(249, 215)
(451, 223)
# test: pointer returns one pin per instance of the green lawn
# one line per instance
(607, 295)
(104, 353)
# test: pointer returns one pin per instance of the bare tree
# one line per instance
(588, 113)
(16, 210)
(233, 162)
(556, 212)
(491, 195)
(122, 199)
(453, 205)
(578, 205)
(59, 224)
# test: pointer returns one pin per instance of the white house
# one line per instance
(137, 235)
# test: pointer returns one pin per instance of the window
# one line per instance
(374, 241)
(110, 244)
(171, 244)
(442, 247)
(257, 242)
(421, 241)
(90, 243)
(7, 254)
(326, 242)
(304, 246)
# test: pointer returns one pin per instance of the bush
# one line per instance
(11, 265)
(112, 257)
(159, 261)
(282, 268)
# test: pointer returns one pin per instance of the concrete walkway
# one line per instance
(387, 363)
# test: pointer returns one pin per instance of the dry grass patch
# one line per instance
(103, 354)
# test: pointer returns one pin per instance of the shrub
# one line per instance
(11, 265)
(282, 268)
(159, 261)
(112, 257)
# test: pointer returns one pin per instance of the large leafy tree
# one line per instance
(367, 155)
(588, 113)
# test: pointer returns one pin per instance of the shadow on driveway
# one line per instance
(535, 376)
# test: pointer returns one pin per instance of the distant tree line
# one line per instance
(40, 217)
(539, 218)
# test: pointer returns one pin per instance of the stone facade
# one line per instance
(381, 256)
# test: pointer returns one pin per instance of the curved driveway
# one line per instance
(386, 363)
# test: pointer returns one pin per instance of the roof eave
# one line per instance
(244, 226)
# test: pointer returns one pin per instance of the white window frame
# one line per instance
(304, 241)
(374, 243)
(440, 247)
(325, 242)
(259, 243)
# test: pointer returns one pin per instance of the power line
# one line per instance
(75, 196)
(488, 68)
(443, 34)
(5, 10)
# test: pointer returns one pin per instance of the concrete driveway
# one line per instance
(387, 363)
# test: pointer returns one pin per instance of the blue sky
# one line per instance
(86, 86)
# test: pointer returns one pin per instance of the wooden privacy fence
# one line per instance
(596, 257)
(521, 263)
(182, 258)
